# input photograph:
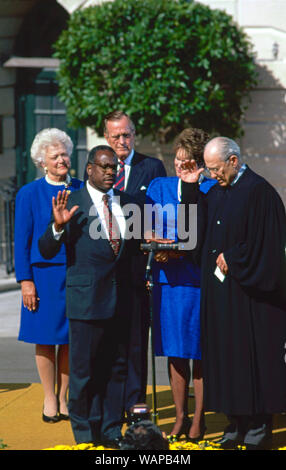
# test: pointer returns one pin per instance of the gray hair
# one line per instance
(44, 139)
(116, 116)
(225, 147)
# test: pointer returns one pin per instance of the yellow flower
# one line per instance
(59, 447)
(83, 446)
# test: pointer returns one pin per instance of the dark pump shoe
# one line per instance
(63, 417)
(195, 440)
(182, 432)
(50, 419)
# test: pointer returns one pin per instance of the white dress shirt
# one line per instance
(127, 167)
(115, 207)
(239, 174)
(96, 197)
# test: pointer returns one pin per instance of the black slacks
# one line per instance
(254, 430)
(98, 371)
(138, 348)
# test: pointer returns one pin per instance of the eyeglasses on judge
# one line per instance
(216, 170)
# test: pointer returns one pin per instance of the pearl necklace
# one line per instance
(66, 183)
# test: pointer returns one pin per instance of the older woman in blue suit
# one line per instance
(43, 321)
(176, 293)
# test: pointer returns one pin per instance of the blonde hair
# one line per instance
(44, 139)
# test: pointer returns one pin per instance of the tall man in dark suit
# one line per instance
(98, 292)
(134, 176)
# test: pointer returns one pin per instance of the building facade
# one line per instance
(264, 142)
(29, 102)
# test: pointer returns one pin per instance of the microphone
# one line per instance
(156, 246)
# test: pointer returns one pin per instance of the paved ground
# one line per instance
(21, 397)
(17, 363)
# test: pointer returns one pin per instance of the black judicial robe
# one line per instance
(243, 318)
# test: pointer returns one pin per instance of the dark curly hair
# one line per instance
(193, 141)
(144, 435)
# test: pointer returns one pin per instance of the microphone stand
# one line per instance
(149, 285)
(151, 248)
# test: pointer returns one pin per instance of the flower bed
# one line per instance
(181, 445)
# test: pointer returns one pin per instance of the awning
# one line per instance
(32, 62)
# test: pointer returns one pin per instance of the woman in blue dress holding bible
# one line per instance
(43, 321)
(176, 292)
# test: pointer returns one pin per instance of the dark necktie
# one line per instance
(120, 177)
(112, 225)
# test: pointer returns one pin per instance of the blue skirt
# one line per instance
(177, 321)
(48, 324)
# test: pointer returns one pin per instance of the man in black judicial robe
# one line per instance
(242, 232)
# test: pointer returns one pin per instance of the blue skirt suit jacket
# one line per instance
(176, 293)
(48, 324)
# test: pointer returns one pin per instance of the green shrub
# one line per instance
(169, 64)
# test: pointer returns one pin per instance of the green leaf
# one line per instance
(170, 63)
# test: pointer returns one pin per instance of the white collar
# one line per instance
(128, 159)
(240, 172)
(95, 194)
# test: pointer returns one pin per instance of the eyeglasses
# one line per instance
(105, 168)
(216, 170)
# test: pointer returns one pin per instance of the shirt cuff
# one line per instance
(57, 235)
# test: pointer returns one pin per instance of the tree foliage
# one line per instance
(168, 63)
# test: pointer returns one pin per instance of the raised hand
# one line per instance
(190, 172)
(61, 214)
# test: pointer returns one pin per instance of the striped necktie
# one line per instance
(120, 178)
(112, 225)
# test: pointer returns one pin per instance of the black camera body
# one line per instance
(138, 412)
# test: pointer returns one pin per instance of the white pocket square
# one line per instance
(142, 188)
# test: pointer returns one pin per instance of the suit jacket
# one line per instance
(97, 282)
(143, 170)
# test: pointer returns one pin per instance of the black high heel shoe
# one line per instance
(199, 438)
(183, 431)
(50, 419)
(62, 416)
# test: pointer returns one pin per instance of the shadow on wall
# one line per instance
(264, 142)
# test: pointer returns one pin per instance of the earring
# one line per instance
(45, 170)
